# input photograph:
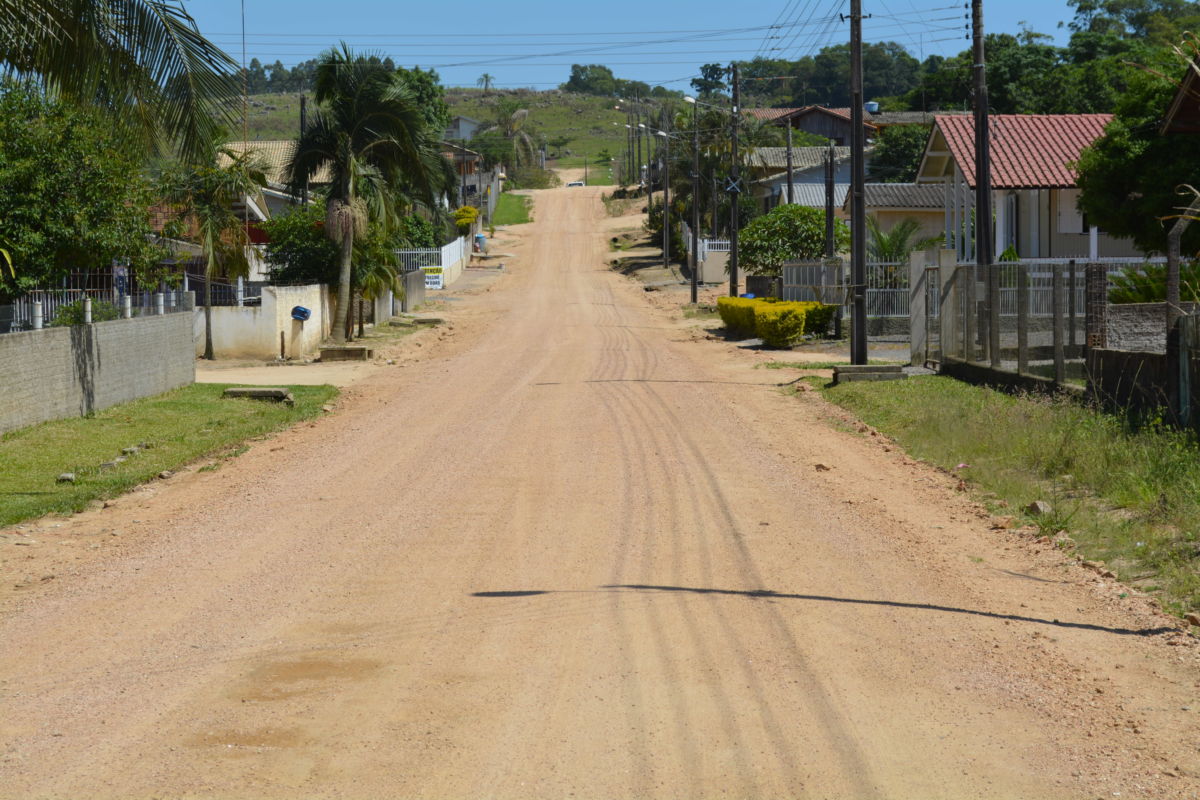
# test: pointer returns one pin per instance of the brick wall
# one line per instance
(66, 372)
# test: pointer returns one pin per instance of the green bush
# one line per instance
(1148, 284)
(72, 313)
(777, 323)
(738, 315)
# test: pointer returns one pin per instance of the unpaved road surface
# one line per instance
(575, 549)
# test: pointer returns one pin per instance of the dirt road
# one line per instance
(573, 551)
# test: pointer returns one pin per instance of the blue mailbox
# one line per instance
(301, 313)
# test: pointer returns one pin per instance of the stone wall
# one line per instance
(1139, 327)
(66, 372)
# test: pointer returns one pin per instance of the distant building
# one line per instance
(462, 129)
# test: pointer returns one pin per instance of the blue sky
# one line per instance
(661, 42)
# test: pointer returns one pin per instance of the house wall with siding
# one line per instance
(72, 371)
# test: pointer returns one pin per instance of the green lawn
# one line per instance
(177, 427)
(513, 209)
(1130, 498)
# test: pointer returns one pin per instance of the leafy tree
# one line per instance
(898, 153)
(559, 142)
(485, 82)
(787, 233)
(711, 81)
(297, 247)
(425, 88)
(71, 200)
(1129, 177)
(590, 79)
(379, 148)
(205, 194)
(119, 55)
(493, 146)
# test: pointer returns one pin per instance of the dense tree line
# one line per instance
(1027, 73)
(598, 79)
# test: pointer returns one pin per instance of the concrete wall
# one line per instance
(1139, 326)
(254, 331)
(67, 372)
(715, 269)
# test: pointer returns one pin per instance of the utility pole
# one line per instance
(830, 201)
(303, 126)
(858, 179)
(585, 158)
(666, 182)
(695, 203)
(984, 243)
(790, 195)
(637, 132)
(735, 188)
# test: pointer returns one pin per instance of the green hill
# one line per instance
(584, 119)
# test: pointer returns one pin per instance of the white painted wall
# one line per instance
(255, 331)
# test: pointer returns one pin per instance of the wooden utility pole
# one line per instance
(666, 184)
(695, 202)
(830, 202)
(790, 196)
(734, 189)
(858, 179)
(984, 240)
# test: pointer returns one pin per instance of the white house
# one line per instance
(1034, 194)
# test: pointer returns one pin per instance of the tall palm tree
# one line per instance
(205, 195)
(145, 61)
(374, 141)
(511, 120)
(485, 82)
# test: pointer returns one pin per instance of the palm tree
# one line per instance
(205, 195)
(144, 61)
(510, 120)
(485, 81)
(897, 245)
(373, 139)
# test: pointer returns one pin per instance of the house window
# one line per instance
(1070, 218)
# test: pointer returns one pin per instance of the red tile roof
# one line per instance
(1028, 150)
(770, 113)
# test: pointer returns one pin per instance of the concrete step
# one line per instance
(868, 376)
(350, 352)
(853, 368)
(273, 393)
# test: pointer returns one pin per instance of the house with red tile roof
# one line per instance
(1034, 193)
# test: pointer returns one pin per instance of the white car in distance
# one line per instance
(575, 183)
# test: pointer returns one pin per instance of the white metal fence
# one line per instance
(435, 261)
(49, 307)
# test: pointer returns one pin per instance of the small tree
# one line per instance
(205, 194)
(787, 233)
(898, 243)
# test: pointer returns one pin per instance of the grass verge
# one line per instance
(1128, 498)
(818, 364)
(512, 209)
(178, 427)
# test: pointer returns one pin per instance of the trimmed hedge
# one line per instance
(777, 323)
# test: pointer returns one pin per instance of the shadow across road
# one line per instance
(767, 594)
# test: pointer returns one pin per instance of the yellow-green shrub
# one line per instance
(738, 315)
(779, 324)
(776, 322)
